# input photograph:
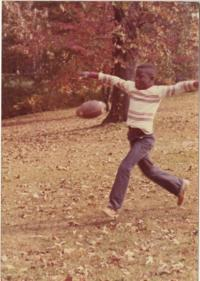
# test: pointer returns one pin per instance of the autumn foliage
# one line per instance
(46, 44)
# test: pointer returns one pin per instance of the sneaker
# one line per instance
(181, 194)
(111, 213)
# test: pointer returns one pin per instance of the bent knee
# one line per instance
(150, 173)
(148, 168)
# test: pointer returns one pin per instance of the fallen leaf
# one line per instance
(68, 278)
(68, 250)
(4, 258)
(178, 266)
(61, 168)
(149, 260)
(163, 269)
(130, 255)
(9, 266)
(35, 195)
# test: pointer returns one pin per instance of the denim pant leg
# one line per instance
(162, 178)
(139, 150)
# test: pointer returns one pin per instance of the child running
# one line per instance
(145, 98)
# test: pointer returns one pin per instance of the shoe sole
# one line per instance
(108, 214)
(181, 195)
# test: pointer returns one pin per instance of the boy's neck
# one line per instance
(142, 88)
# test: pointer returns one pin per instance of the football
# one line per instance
(91, 109)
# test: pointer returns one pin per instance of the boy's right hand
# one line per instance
(88, 74)
(85, 74)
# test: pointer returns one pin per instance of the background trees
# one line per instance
(46, 45)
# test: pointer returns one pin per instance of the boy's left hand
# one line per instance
(196, 84)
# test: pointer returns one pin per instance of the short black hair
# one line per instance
(151, 69)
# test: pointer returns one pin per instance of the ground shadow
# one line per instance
(19, 122)
(55, 225)
(80, 223)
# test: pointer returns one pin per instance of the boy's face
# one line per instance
(143, 79)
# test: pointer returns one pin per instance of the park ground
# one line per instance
(57, 172)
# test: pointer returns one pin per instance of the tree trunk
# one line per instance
(124, 65)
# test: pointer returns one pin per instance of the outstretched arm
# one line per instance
(110, 80)
(182, 87)
(89, 74)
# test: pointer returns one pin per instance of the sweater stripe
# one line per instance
(171, 91)
(146, 95)
(191, 87)
(145, 100)
(188, 87)
(140, 118)
(144, 114)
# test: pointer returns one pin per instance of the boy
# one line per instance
(145, 98)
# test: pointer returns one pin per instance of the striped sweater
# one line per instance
(144, 103)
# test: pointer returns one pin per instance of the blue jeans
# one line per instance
(140, 146)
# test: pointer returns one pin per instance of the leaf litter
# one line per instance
(56, 186)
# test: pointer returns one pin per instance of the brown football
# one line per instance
(91, 109)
